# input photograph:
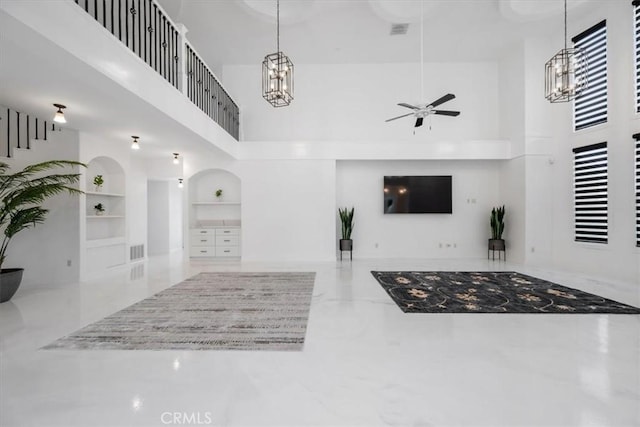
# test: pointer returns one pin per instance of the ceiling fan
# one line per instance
(421, 111)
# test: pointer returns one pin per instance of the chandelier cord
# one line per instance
(565, 24)
(278, 29)
(422, 50)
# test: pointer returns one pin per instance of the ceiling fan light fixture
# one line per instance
(566, 71)
(59, 116)
(277, 73)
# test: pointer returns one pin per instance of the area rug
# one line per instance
(210, 311)
(489, 292)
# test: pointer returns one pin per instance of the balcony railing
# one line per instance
(147, 31)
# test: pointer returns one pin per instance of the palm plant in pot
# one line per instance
(21, 196)
(346, 218)
(496, 242)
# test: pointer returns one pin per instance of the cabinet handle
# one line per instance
(203, 232)
(227, 240)
(226, 252)
(203, 240)
(203, 252)
(226, 231)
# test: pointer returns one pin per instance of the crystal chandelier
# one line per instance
(277, 74)
(566, 72)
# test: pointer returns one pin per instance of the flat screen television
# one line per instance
(417, 194)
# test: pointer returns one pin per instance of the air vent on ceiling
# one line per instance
(399, 29)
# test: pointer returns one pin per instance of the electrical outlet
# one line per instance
(68, 263)
(533, 249)
(440, 245)
(376, 245)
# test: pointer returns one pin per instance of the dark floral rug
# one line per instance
(489, 292)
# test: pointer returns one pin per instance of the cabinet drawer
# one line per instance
(227, 251)
(202, 240)
(202, 251)
(227, 240)
(202, 232)
(227, 231)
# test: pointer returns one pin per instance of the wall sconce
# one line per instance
(176, 160)
(59, 117)
(180, 184)
(135, 145)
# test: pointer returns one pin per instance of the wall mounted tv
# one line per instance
(417, 194)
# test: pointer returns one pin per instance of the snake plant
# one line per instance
(346, 217)
(497, 222)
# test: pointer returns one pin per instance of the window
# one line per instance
(590, 193)
(637, 157)
(636, 6)
(590, 108)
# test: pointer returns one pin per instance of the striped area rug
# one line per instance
(210, 311)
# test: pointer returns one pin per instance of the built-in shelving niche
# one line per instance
(105, 243)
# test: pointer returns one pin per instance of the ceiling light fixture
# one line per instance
(176, 160)
(566, 72)
(180, 184)
(277, 73)
(135, 145)
(59, 117)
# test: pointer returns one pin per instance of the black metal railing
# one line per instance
(144, 28)
(18, 129)
(204, 90)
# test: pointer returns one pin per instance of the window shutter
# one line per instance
(590, 171)
(636, 7)
(637, 159)
(590, 108)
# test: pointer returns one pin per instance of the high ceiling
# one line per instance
(358, 31)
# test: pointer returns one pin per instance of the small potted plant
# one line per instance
(98, 181)
(346, 218)
(219, 194)
(496, 220)
(99, 209)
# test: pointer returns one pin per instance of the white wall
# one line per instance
(350, 102)
(619, 259)
(158, 217)
(45, 250)
(360, 183)
(288, 210)
(175, 217)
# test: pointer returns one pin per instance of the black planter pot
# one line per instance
(346, 244)
(496, 244)
(10, 279)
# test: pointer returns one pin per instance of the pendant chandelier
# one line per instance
(277, 73)
(566, 72)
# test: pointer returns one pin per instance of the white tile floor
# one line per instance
(365, 363)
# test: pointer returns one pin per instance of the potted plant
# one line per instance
(99, 209)
(21, 195)
(496, 242)
(98, 181)
(346, 218)
(219, 194)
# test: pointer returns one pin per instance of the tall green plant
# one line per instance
(22, 193)
(497, 222)
(346, 217)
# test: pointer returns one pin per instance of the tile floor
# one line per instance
(365, 363)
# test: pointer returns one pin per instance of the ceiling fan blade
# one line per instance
(399, 117)
(442, 100)
(404, 104)
(446, 113)
(418, 122)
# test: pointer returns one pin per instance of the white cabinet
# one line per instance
(214, 222)
(215, 242)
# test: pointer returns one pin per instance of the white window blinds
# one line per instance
(637, 187)
(590, 172)
(590, 108)
(636, 11)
